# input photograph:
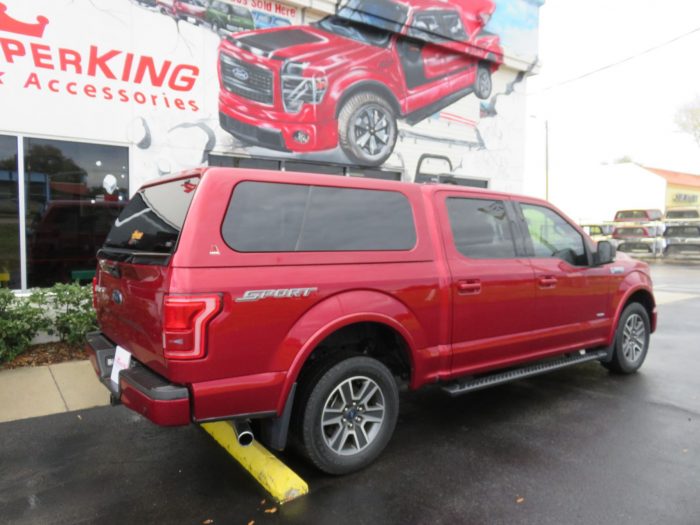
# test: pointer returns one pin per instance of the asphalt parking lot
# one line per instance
(575, 446)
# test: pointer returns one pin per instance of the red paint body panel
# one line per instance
(255, 350)
(254, 394)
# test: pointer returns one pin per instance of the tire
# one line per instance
(348, 441)
(631, 340)
(367, 129)
(483, 84)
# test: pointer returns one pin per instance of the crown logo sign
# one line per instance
(10, 25)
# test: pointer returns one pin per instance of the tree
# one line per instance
(688, 118)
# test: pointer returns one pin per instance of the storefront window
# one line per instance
(74, 192)
(10, 276)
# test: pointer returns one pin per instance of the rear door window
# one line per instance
(153, 219)
(480, 228)
(274, 217)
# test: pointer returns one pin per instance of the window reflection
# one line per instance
(75, 191)
(9, 215)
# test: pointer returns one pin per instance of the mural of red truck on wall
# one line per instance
(347, 79)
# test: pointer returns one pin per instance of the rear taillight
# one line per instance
(94, 293)
(185, 321)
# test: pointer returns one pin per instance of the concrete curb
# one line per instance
(44, 390)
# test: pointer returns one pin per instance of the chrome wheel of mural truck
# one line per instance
(346, 79)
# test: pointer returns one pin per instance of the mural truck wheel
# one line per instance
(483, 85)
(367, 129)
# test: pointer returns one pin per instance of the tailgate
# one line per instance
(129, 299)
(133, 271)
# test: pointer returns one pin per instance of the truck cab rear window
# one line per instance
(153, 219)
(274, 217)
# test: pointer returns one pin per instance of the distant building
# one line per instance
(682, 189)
(596, 195)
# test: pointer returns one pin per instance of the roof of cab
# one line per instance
(292, 177)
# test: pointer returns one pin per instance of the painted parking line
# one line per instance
(282, 483)
(663, 297)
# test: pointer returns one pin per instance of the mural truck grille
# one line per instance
(247, 80)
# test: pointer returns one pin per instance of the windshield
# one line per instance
(632, 214)
(355, 31)
(683, 214)
(367, 21)
(153, 219)
(382, 14)
(241, 12)
(682, 231)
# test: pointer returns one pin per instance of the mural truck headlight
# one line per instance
(298, 89)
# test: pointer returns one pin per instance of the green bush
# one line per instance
(72, 312)
(64, 310)
(20, 320)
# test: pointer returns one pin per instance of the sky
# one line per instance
(627, 110)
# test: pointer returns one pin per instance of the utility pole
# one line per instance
(546, 160)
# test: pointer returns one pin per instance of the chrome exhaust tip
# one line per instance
(243, 433)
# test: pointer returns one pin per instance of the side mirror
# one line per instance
(605, 253)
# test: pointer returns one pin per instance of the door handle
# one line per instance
(548, 281)
(469, 287)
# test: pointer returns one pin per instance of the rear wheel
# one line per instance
(347, 412)
(483, 84)
(631, 340)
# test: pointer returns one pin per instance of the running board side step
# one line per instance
(458, 387)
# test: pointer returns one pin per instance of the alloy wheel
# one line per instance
(353, 415)
(633, 338)
(373, 130)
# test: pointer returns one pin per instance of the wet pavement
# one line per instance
(575, 446)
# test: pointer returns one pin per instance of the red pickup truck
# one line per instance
(346, 79)
(227, 294)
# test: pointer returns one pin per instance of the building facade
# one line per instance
(682, 189)
(99, 96)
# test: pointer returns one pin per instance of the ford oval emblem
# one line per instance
(240, 74)
(117, 297)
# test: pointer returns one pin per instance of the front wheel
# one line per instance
(631, 340)
(348, 413)
(367, 129)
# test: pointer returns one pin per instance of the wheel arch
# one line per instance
(646, 299)
(368, 86)
(379, 314)
(641, 295)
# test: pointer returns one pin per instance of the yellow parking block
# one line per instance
(280, 481)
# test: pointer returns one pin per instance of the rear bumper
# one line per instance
(139, 389)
